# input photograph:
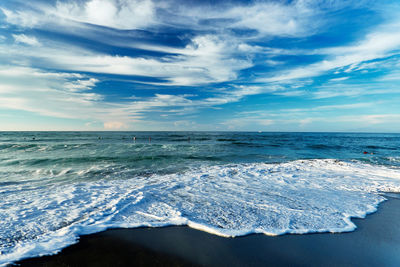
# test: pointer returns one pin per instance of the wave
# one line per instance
(302, 196)
(381, 147)
(325, 147)
(122, 159)
(247, 144)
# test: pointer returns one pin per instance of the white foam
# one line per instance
(300, 197)
(394, 159)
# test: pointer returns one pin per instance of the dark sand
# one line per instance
(376, 242)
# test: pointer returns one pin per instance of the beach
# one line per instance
(375, 242)
(222, 199)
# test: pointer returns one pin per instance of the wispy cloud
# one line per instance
(119, 14)
(267, 18)
(48, 94)
(296, 19)
(339, 79)
(207, 59)
(372, 118)
(24, 39)
(353, 90)
(68, 95)
(391, 77)
(81, 85)
(25, 19)
(330, 107)
(382, 43)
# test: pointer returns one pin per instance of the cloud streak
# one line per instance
(382, 43)
(24, 39)
(207, 59)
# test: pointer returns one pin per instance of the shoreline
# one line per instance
(375, 242)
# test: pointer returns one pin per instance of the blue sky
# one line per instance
(200, 65)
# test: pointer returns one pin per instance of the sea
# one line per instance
(57, 186)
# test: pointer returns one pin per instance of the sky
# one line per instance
(200, 65)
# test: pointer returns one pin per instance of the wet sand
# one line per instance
(376, 242)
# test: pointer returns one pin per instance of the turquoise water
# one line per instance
(175, 151)
(55, 186)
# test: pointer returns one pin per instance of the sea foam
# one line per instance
(302, 196)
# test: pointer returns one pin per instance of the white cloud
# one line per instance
(266, 122)
(291, 93)
(353, 90)
(15, 72)
(24, 39)
(44, 93)
(382, 43)
(303, 122)
(295, 19)
(392, 76)
(384, 39)
(79, 85)
(290, 122)
(182, 105)
(114, 125)
(68, 96)
(120, 14)
(265, 18)
(21, 18)
(372, 119)
(77, 17)
(339, 79)
(207, 59)
(271, 62)
(274, 19)
(330, 107)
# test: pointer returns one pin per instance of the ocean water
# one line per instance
(55, 186)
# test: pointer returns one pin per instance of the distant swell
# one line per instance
(323, 146)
